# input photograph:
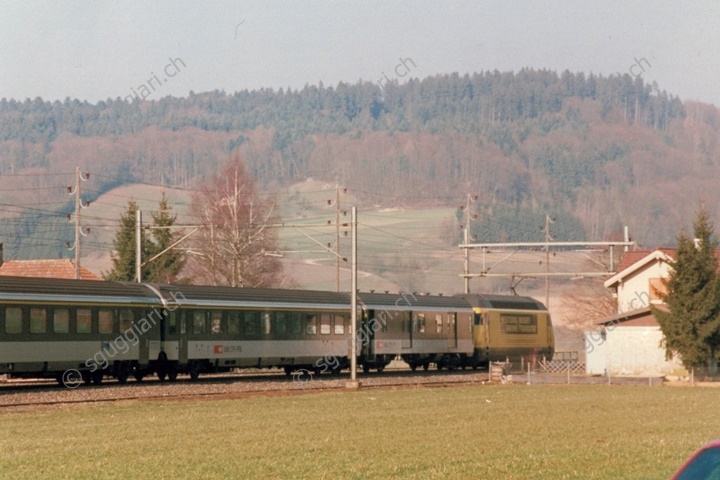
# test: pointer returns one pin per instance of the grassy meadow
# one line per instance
(497, 432)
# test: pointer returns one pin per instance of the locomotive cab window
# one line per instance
(61, 320)
(38, 320)
(13, 320)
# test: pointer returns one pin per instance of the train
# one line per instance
(50, 328)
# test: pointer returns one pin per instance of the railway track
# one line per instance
(44, 395)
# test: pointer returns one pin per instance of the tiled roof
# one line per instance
(44, 269)
(632, 257)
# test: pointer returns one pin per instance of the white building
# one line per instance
(630, 342)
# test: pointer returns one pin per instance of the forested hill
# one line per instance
(598, 152)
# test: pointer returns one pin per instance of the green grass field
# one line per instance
(495, 432)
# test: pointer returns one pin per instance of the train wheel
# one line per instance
(194, 371)
(475, 367)
(86, 376)
(172, 373)
(380, 368)
(413, 367)
(97, 377)
(288, 371)
(122, 375)
(426, 366)
(161, 374)
(366, 368)
(138, 376)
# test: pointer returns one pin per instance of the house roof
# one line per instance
(63, 268)
(641, 317)
(631, 257)
(634, 260)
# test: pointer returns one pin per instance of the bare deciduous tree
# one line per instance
(587, 303)
(236, 242)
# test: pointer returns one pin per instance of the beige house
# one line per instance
(630, 342)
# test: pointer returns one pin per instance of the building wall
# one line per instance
(637, 351)
(635, 291)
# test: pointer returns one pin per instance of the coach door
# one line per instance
(452, 330)
(184, 324)
(408, 323)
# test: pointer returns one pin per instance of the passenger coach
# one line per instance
(421, 329)
(215, 329)
(50, 326)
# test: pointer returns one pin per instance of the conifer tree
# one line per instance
(163, 269)
(691, 326)
(123, 254)
(167, 266)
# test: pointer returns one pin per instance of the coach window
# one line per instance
(126, 319)
(61, 320)
(198, 322)
(281, 323)
(83, 320)
(339, 324)
(451, 322)
(438, 323)
(216, 322)
(267, 323)
(234, 323)
(38, 320)
(421, 322)
(105, 321)
(295, 326)
(325, 324)
(310, 324)
(13, 320)
(171, 323)
(252, 323)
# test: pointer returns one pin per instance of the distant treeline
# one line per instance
(443, 103)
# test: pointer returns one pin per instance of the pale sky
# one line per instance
(106, 49)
